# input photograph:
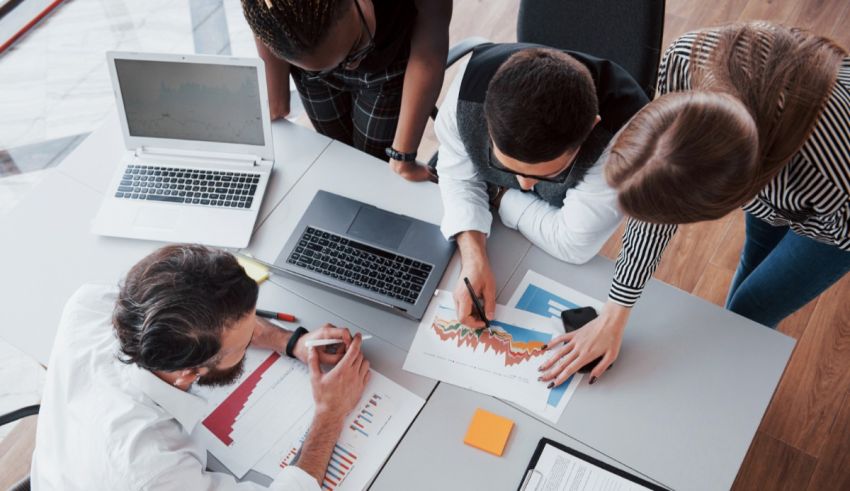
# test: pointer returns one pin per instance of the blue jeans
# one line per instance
(780, 272)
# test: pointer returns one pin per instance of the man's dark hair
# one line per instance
(175, 303)
(290, 28)
(540, 103)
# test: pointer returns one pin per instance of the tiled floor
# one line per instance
(55, 89)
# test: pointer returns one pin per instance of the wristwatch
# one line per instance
(293, 340)
(396, 155)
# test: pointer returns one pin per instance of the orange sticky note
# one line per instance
(488, 432)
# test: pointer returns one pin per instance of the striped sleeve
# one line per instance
(643, 245)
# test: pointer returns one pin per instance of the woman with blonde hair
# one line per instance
(754, 115)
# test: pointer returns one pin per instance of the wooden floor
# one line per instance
(803, 442)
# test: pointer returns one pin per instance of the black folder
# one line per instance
(575, 453)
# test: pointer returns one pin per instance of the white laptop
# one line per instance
(199, 149)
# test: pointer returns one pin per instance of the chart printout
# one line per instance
(543, 296)
(272, 399)
(501, 361)
(369, 435)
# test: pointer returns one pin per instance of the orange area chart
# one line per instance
(517, 344)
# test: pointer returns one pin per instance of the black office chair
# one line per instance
(627, 33)
(23, 484)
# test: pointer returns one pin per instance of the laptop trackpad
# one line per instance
(157, 218)
(379, 227)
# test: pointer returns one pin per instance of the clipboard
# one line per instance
(531, 471)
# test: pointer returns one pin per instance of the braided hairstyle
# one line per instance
(290, 28)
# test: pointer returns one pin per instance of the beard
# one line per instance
(222, 377)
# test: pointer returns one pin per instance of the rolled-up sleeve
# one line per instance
(464, 193)
(577, 230)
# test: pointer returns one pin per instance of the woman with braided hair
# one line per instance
(368, 71)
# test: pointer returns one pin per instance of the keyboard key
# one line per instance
(172, 199)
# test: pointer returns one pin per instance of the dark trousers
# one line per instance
(356, 108)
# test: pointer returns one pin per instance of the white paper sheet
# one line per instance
(371, 432)
(543, 296)
(271, 406)
(557, 470)
(501, 361)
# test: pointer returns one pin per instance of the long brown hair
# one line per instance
(758, 89)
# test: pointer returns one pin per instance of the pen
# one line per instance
(276, 315)
(327, 342)
(478, 308)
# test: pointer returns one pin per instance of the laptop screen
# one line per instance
(191, 101)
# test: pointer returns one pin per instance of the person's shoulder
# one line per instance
(87, 315)
(485, 61)
(93, 296)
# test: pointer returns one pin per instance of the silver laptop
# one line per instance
(199, 149)
(392, 260)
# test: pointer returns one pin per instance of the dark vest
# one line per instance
(619, 96)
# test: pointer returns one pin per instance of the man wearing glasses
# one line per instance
(521, 132)
(368, 71)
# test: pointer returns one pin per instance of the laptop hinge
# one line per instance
(195, 156)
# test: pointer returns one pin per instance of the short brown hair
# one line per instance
(175, 303)
(540, 103)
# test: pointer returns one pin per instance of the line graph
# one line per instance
(517, 344)
(501, 361)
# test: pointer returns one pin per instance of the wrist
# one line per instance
(328, 416)
(295, 347)
(473, 247)
(400, 154)
(615, 315)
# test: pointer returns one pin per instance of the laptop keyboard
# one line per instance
(360, 264)
(222, 189)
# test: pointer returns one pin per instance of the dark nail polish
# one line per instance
(540, 378)
(551, 384)
(545, 346)
(540, 369)
(592, 379)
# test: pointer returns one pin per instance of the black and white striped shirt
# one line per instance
(811, 194)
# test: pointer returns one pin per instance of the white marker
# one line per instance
(327, 342)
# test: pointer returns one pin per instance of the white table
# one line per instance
(680, 407)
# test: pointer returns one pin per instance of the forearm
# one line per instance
(277, 79)
(423, 78)
(643, 245)
(473, 246)
(422, 82)
(320, 441)
(574, 232)
(270, 336)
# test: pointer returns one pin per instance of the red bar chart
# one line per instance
(221, 421)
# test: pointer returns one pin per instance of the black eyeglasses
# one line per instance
(356, 56)
(559, 178)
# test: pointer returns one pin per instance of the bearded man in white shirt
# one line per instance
(117, 412)
(522, 130)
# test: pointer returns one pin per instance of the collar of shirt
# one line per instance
(186, 408)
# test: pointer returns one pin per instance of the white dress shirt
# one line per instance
(574, 233)
(107, 425)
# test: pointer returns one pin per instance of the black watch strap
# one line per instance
(396, 155)
(293, 340)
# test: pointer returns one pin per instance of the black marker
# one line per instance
(478, 308)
